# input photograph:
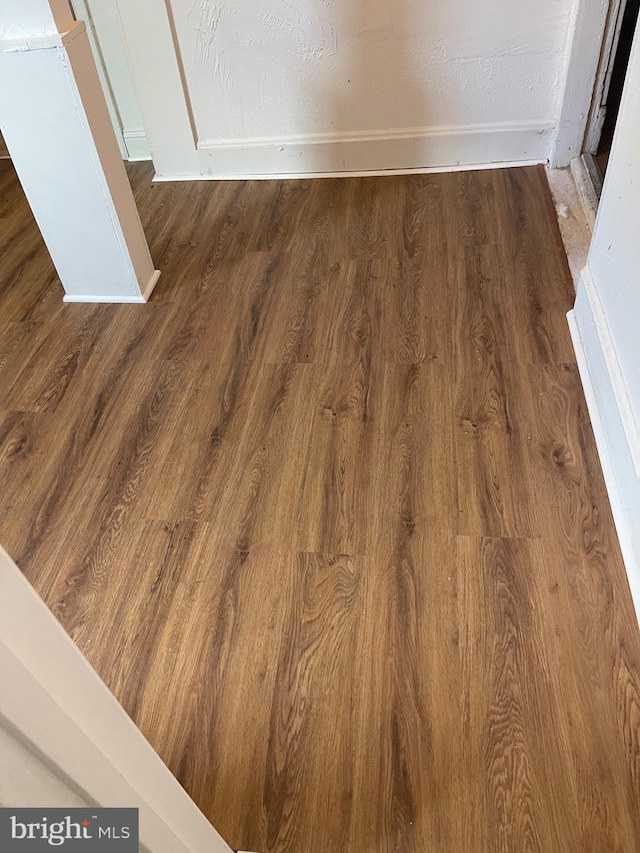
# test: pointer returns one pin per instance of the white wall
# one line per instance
(280, 68)
(25, 16)
(276, 68)
(27, 780)
(286, 86)
(607, 322)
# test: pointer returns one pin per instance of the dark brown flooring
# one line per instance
(327, 515)
(602, 160)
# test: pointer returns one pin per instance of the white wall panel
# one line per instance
(254, 75)
(280, 68)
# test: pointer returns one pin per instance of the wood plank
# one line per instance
(514, 719)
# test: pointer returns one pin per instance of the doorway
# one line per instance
(608, 92)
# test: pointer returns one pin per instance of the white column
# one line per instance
(55, 122)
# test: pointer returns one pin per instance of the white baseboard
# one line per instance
(597, 364)
(367, 153)
(362, 173)
(136, 144)
(110, 299)
(614, 372)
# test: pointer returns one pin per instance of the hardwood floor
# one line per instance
(327, 515)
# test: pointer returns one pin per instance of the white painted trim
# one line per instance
(411, 133)
(81, 11)
(616, 378)
(615, 16)
(372, 151)
(157, 78)
(148, 290)
(372, 173)
(623, 487)
(43, 42)
(585, 189)
(586, 34)
(58, 706)
(128, 300)
(136, 145)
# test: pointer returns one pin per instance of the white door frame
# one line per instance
(153, 56)
(81, 13)
(107, 42)
(590, 22)
(598, 110)
(56, 704)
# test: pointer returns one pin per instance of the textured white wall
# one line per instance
(280, 68)
(32, 17)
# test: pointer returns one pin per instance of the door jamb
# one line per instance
(586, 37)
(81, 12)
(152, 50)
(596, 118)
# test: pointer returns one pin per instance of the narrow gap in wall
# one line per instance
(614, 95)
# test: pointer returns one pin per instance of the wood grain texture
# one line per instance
(327, 515)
